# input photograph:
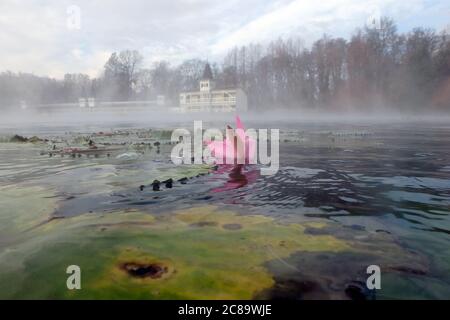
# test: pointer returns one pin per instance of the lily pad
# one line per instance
(22, 208)
(207, 262)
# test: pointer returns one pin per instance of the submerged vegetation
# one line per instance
(188, 254)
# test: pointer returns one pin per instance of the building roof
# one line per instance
(207, 73)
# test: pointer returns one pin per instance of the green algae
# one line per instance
(204, 252)
(24, 208)
(209, 262)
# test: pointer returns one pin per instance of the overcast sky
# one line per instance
(42, 36)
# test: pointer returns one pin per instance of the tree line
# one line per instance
(376, 67)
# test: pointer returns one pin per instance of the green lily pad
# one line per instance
(133, 255)
(22, 208)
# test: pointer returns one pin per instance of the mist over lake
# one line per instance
(208, 150)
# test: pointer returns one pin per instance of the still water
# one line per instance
(345, 197)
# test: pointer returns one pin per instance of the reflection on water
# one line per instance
(373, 181)
(238, 176)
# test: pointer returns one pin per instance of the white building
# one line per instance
(210, 100)
(86, 102)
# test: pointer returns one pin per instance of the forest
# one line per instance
(375, 69)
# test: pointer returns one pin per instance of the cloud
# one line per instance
(311, 19)
(35, 37)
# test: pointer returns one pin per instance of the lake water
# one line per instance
(346, 196)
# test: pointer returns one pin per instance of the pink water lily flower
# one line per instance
(227, 149)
